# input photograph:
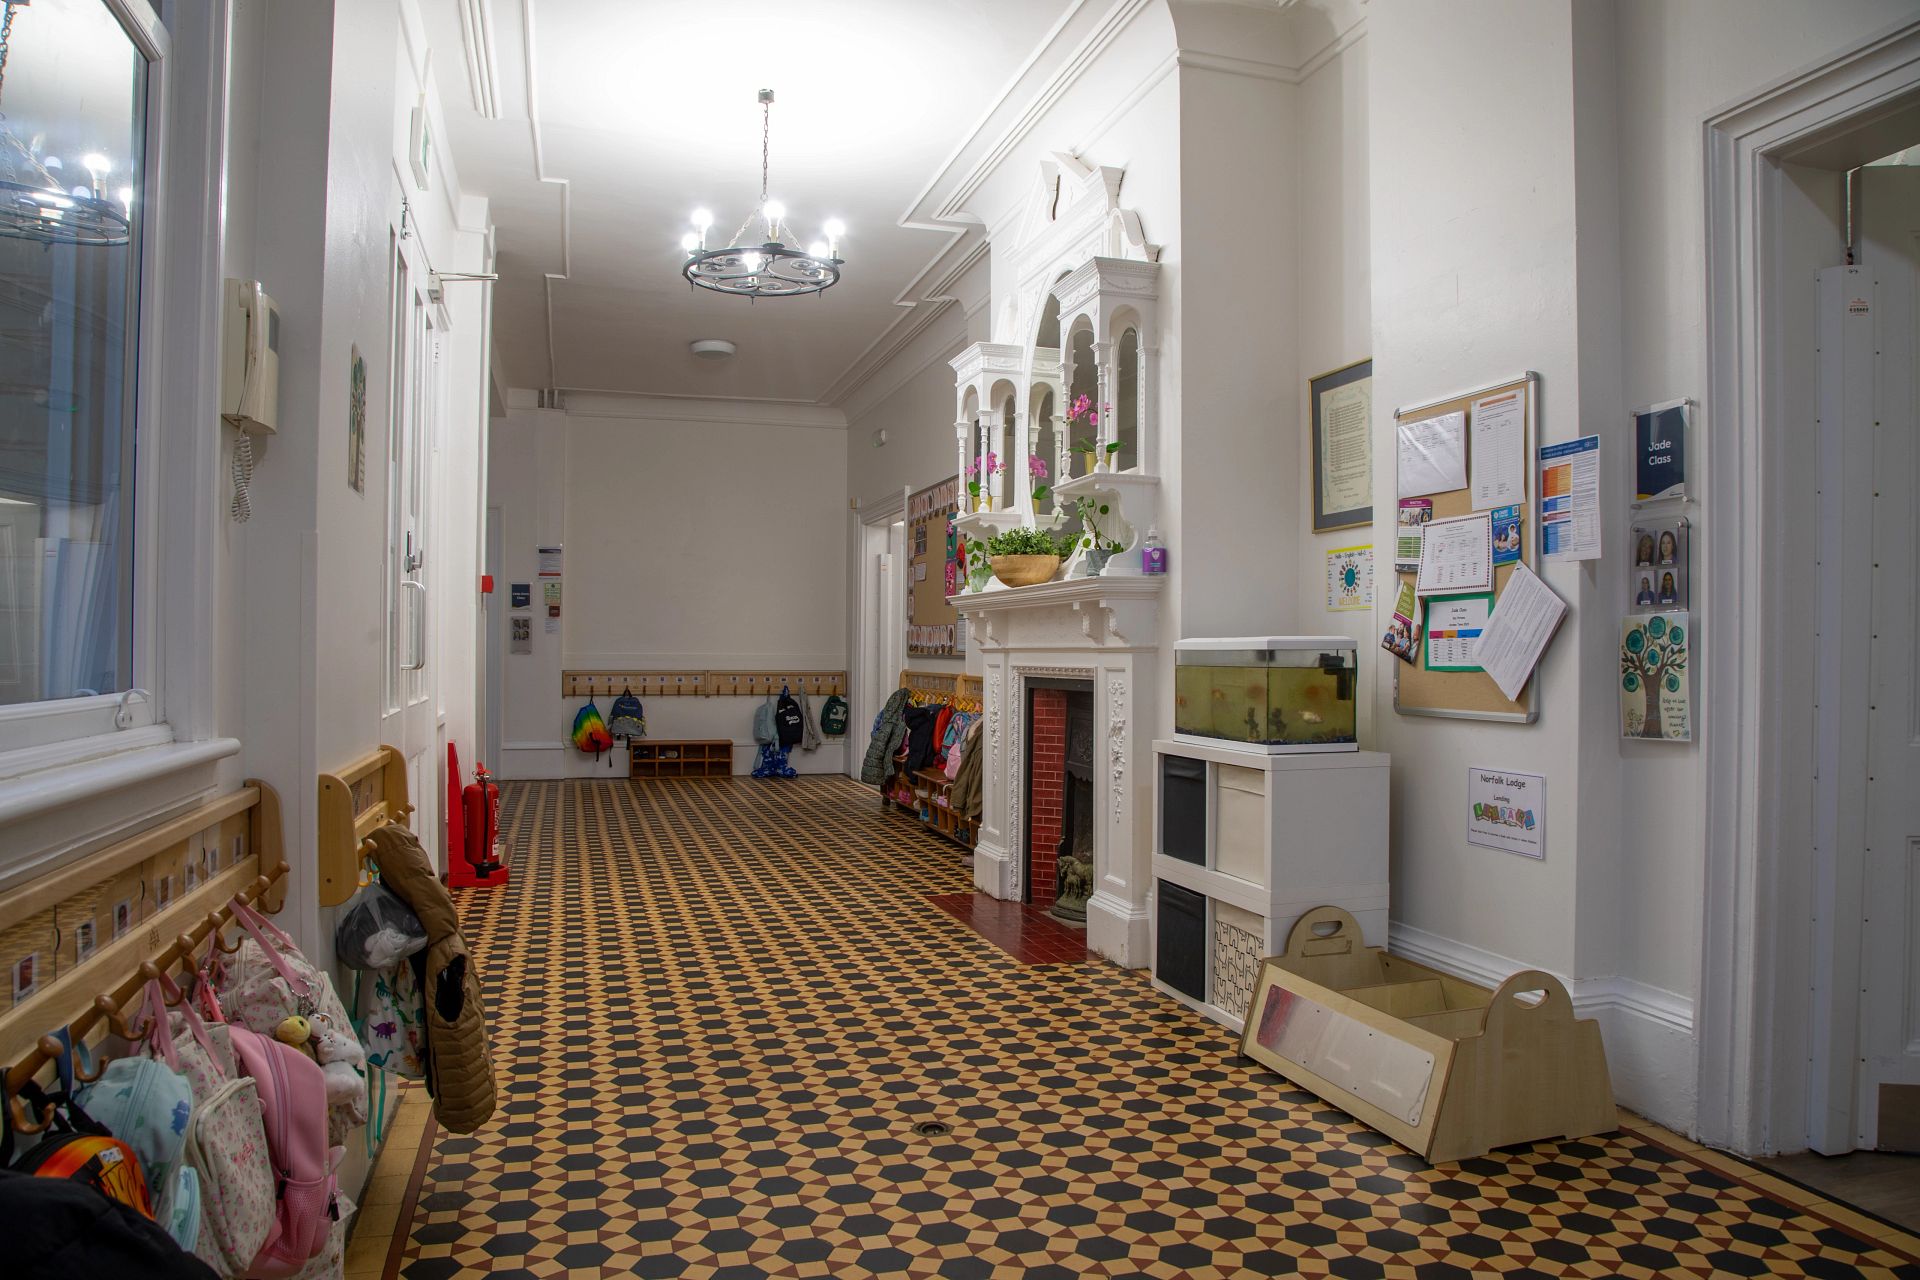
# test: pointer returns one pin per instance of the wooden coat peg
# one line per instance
(22, 1118)
(51, 1048)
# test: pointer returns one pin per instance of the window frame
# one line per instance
(50, 747)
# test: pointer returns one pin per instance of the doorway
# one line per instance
(1798, 909)
(880, 619)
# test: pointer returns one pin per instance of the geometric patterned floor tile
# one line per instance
(720, 1009)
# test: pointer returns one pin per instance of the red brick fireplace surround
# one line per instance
(1047, 775)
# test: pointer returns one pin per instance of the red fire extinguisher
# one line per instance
(480, 805)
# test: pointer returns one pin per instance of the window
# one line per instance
(73, 92)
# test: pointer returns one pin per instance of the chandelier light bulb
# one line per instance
(819, 249)
(774, 211)
(96, 163)
(753, 261)
(702, 219)
(835, 228)
(126, 198)
(690, 242)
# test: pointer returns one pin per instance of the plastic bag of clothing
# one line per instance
(377, 930)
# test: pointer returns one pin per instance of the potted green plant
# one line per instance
(1093, 539)
(1025, 557)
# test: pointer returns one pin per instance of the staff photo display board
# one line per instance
(934, 572)
(1481, 446)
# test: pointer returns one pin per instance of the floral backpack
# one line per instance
(267, 981)
(226, 1141)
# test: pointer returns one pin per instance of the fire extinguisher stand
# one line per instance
(482, 864)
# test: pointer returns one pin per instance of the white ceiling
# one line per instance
(637, 111)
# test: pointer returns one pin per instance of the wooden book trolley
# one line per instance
(1447, 1069)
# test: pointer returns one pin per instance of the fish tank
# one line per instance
(1275, 694)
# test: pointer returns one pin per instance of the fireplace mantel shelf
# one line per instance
(1071, 591)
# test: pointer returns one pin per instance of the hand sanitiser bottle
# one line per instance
(1153, 555)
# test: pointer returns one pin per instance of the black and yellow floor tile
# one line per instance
(734, 1040)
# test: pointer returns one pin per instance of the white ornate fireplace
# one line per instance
(1103, 631)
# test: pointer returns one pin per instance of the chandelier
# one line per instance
(768, 267)
(33, 203)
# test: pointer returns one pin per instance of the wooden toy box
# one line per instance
(1446, 1068)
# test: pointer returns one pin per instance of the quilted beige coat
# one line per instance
(459, 1070)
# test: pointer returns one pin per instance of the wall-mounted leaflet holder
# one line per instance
(1660, 564)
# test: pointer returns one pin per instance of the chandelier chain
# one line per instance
(766, 133)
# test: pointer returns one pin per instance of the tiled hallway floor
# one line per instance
(720, 1008)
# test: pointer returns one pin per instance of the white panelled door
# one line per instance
(419, 336)
(1888, 1068)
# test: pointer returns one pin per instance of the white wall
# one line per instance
(699, 535)
(322, 99)
(1332, 324)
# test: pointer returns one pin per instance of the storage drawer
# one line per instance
(1240, 823)
(1180, 940)
(1183, 809)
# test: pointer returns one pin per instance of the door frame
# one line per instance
(867, 683)
(1752, 1016)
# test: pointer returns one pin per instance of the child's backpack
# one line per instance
(147, 1104)
(628, 719)
(833, 716)
(76, 1147)
(590, 731)
(293, 1103)
(764, 730)
(788, 722)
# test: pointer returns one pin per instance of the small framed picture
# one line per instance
(84, 942)
(163, 894)
(1340, 405)
(122, 918)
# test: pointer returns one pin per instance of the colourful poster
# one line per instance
(1656, 679)
(1350, 578)
(1507, 811)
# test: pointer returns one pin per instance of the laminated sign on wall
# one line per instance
(1507, 811)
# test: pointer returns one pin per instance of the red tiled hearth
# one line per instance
(1026, 933)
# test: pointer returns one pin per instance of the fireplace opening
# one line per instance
(1059, 797)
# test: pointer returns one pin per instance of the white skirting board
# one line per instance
(1647, 1031)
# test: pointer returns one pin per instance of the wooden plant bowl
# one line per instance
(1025, 571)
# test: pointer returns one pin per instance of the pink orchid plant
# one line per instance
(1037, 472)
(1083, 410)
(980, 469)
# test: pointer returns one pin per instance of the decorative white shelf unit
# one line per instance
(1244, 844)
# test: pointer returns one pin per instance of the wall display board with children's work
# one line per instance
(1463, 484)
(934, 571)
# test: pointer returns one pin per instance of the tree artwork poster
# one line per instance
(1656, 680)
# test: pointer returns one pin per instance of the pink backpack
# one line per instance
(293, 1100)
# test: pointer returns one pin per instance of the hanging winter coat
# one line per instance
(888, 732)
(459, 1072)
(965, 793)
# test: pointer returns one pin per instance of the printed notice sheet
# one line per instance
(1433, 454)
(1346, 458)
(1499, 450)
(1518, 633)
(1454, 627)
(1456, 555)
(1570, 499)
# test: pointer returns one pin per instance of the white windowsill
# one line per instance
(25, 795)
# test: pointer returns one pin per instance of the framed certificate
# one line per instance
(1341, 403)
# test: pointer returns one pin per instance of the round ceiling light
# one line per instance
(712, 348)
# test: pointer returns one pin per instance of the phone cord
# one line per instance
(242, 508)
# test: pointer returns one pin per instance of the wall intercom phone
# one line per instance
(249, 378)
(250, 359)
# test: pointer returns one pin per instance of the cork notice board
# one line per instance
(1472, 695)
(933, 625)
